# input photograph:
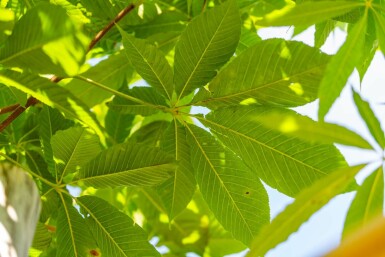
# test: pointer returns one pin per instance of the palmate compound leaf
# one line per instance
(72, 149)
(150, 63)
(285, 163)
(306, 204)
(273, 72)
(235, 195)
(367, 204)
(308, 13)
(341, 66)
(115, 232)
(127, 164)
(207, 43)
(73, 236)
(305, 128)
(52, 95)
(177, 191)
(36, 38)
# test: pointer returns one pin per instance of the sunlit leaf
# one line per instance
(207, 43)
(305, 205)
(370, 119)
(367, 204)
(311, 131)
(37, 36)
(293, 80)
(115, 232)
(341, 66)
(285, 163)
(150, 63)
(234, 194)
(127, 165)
(308, 13)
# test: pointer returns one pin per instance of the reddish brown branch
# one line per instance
(17, 109)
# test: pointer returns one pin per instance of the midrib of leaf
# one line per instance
(176, 158)
(128, 97)
(258, 88)
(204, 52)
(107, 77)
(260, 143)
(72, 154)
(70, 224)
(152, 69)
(102, 227)
(119, 173)
(371, 195)
(219, 178)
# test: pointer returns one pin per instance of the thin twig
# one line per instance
(17, 109)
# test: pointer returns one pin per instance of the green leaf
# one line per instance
(248, 38)
(380, 29)
(177, 191)
(42, 238)
(36, 38)
(234, 194)
(370, 119)
(322, 32)
(72, 149)
(207, 43)
(150, 63)
(150, 101)
(308, 13)
(113, 72)
(306, 204)
(118, 125)
(51, 120)
(341, 66)
(150, 134)
(305, 128)
(116, 234)
(127, 165)
(52, 95)
(271, 72)
(285, 163)
(73, 236)
(367, 204)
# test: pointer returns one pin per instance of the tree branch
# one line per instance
(17, 109)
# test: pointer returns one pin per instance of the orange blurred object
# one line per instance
(368, 241)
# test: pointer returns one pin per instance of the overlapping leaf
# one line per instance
(127, 165)
(150, 63)
(146, 101)
(341, 66)
(177, 191)
(116, 234)
(118, 125)
(73, 236)
(234, 194)
(367, 204)
(305, 128)
(113, 73)
(306, 204)
(36, 38)
(51, 95)
(308, 13)
(271, 72)
(207, 43)
(73, 148)
(285, 163)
